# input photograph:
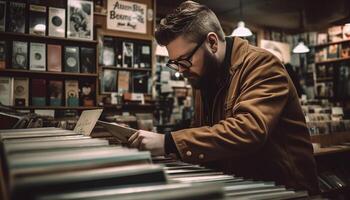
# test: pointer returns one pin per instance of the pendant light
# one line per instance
(301, 47)
(241, 30)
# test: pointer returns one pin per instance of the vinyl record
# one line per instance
(38, 56)
(71, 62)
(19, 90)
(56, 21)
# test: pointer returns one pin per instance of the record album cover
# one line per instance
(71, 59)
(87, 94)
(21, 91)
(72, 93)
(16, 17)
(54, 58)
(20, 55)
(37, 20)
(2, 15)
(80, 19)
(55, 92)
(37, 56)
(6, 95)
(2, 54)
(128, 54)
(57, 22)
(109, 81)
(108, 54)
(87, 60)
(38, 89)
(123, 81)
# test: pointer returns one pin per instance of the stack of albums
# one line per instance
(52, 163)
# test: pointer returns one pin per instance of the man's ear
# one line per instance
(213, 41)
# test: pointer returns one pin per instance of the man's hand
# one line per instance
(145, 140)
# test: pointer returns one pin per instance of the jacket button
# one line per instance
(201, 156)
(189, 153)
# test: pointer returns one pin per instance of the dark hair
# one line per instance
(190, 19)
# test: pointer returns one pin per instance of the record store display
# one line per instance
(52, 163)
(57, 22)
(16, 17)
(37, 56)
(37, 19)
(80, 19)
(2, 15)
(19, 55)
(71, 56)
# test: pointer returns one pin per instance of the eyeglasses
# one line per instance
(186, 62)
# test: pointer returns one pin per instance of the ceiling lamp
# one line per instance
(301, 47)
(241, 30)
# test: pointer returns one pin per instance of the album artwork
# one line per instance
(87, 94)
(16, 17)
(55, 93)
(72, 93)
(20, 55)
(108, 54)
(109, 81)
(38, 90)
(333, 51)
(2, 15)
(142, 55)
(128, 54)
(87, 60)
(57, 22)
(71, 59)
(6, 97)
(54, 58)
(37, 20)
(2, 54)
(80, 19)
(123, 81)
(21, 91)
(118, 51)
(140, 82)
(37, 56)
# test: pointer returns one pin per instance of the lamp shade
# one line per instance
(241, 30)
(301, 48)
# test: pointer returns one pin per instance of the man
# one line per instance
(248, 120)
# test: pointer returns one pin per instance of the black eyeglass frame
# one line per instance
(186, 62)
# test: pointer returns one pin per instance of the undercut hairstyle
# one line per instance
(192, 20)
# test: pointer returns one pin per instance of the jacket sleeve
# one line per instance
(264, 91)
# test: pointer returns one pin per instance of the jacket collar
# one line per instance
(239, 50)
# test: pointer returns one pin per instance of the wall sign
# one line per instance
(126, 16)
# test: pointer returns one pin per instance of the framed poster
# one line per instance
(126, 16)
(80, 19)
(128, 54)
(109, 81)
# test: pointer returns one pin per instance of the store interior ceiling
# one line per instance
(277, 14)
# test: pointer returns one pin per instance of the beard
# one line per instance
(210, 70)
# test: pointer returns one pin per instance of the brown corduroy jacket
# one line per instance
(258, 129)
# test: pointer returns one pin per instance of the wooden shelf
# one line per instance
(126, 69)
(54, 108)
(332, 61)
(324, 79)
(45, 73)
(330, 43)
(331, 150)
(19, 36)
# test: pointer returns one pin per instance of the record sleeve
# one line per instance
(16, 17)
(87, 60)
(109, 81)
(80, 19)
(55, 93)
(128, 54)
(20, 55)
(57, 22)
(54, 58)
(72, 93)
(37, 56)
(2, 15)
(21, 91)
(71, 59)
(37, 20)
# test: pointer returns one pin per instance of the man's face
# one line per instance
(181, 48)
